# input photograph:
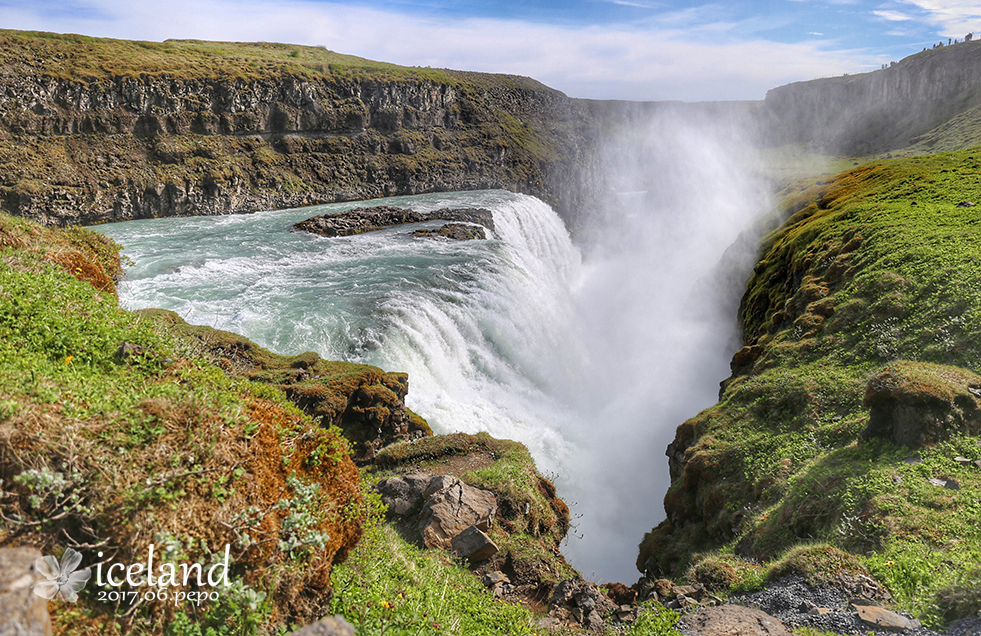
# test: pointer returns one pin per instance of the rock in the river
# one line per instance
(361, 220)
(454, 231)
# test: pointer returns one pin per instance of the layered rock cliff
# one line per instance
(884, 110)
(101, 130)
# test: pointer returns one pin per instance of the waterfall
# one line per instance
(589, 352)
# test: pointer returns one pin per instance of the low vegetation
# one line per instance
(866, 298)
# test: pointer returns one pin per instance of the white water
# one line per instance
(591, 362)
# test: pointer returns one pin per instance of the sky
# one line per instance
(600, 49)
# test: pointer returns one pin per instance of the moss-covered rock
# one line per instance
(366, 403)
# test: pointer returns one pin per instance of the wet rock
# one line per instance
(473, 545)
(733, 620)
(452, 510)
(22, 613)
(330, 626)
(882, 618)
(454, 231)
(361, 220)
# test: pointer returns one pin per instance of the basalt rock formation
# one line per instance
(361, 220)
(924, 100)
(98, 130)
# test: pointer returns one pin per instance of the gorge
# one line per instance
(601, 313)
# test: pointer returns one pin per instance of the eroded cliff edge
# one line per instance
(95, 130)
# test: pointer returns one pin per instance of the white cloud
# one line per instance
(892, 16)
(662, 59)
(954, 18)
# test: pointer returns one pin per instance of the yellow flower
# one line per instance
(68, 360)
(386, 604)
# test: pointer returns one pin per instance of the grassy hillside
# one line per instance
(857, 386)
(88, 59)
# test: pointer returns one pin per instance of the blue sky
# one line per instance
(606, 49)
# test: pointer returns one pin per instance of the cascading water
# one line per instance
(590, 362)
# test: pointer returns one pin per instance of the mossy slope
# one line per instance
(111, 449)
(866, 298)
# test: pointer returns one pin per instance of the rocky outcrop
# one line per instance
(914, 403)
(455, 232)
(453, 509)
(365, 402)
(361, 220)
(453, 515)
(582, 602)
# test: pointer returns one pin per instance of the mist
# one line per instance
(664, 264)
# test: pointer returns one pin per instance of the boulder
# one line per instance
(452, 510)
(882, 618)
(23, 612)
(403, 493)
(473, 545)
(733, 620)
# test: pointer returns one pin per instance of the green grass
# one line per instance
(871, 282)
(88, 59)
(119, 451)
(388, 586)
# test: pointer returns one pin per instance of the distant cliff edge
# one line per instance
(928, 102)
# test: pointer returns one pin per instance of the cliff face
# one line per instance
(882, 110)
(159, 134)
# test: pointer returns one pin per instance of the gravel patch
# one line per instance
(790, 598)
